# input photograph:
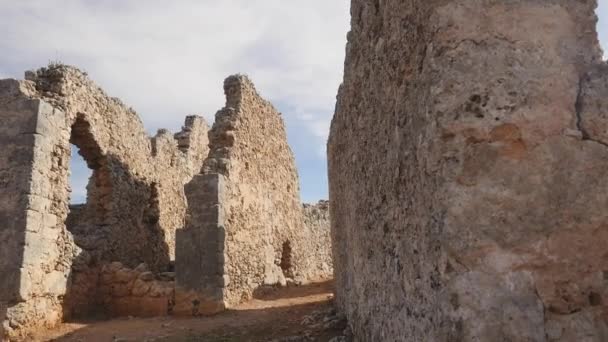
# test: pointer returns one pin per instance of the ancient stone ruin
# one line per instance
(468, 168)
(154, 216)
(244, 214)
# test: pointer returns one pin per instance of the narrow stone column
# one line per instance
(199, 255)
(35, 250)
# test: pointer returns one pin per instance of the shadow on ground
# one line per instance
(302, 311)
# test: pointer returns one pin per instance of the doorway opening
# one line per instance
(286, 265)
(602, 26)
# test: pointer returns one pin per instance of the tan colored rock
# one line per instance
(114, 254)
(140, 287)
(133, 292)
(146, 276)
(317, 224)
(135, 199)
(467, 165)
(244, 227)
(124, 276)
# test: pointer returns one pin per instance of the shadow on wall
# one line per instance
(101, 242)
(286, 256)
(115, 200)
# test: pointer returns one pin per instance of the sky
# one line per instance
(168, 59)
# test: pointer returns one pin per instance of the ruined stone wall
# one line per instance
(248, 146)
(468, 170)
(137, 292)
(245, 205)
(135, 192)
(317, 228)
(35, 250)
(135, 196)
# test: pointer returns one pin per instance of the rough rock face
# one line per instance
(135, 196)
(468, 166)
(135, 292)
(317, 226)
(244, 222)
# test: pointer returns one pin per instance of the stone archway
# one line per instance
(82, 218)
(88, 224)
(135, 201)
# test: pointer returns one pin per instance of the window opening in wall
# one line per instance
(602, 26)
(286, 259)
(79, 177)
(90, 181)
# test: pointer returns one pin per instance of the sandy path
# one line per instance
(276, 314)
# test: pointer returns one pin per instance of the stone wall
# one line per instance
(317, 226)
(36, 250)
(135, 197)
(135, 292)
(468, 168)
(244, 227)
(244, 216)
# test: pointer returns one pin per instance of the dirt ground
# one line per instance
(295, 313)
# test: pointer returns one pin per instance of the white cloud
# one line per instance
(168, 59)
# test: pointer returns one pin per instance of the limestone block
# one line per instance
(139, 307)
(140, 287)
(55, 283)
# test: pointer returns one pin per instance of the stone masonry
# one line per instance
(186, 223)
(135, 198)
(317, 225)
(468, 168)
(244, 221)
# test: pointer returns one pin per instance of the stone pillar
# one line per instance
(16, 159)
(468, 172)
(35, 248)
(200, 259)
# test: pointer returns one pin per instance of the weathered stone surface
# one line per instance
(244, 227)
(135, 198)
(468, 169)
(133, 292)
(317, 226)
(199, 262)
(115, 253)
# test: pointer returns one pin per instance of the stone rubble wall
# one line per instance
(257, 236)
(135, 198)
(136, 292)
(146, 176)
(244, 228)
(200, 253)
(119, 291)
(468, 168)
(317, 225)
